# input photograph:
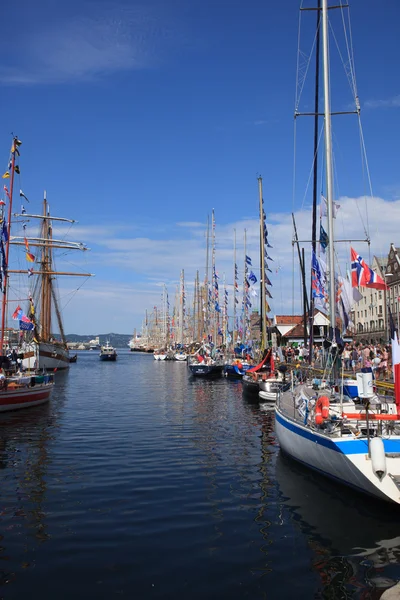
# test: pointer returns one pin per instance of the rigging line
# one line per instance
(303, 67)
(311, 169)
(345, 68)
(294, 164)
(366, 163)
(350, 53)
(73, 294)
(293, 269)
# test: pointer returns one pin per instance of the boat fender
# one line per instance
(321, 410)
(378, 458)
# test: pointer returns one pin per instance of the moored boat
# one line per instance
(107, 352)
(41, 348)
(235, 369)
(355, 441)
(271, 387)
(17, 389)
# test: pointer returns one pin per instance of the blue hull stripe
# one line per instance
(354, 446)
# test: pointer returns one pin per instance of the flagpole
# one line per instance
(328, 159)
(234, 289)
(5, 282)
(262, 272)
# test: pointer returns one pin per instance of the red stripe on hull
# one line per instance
(9, 400)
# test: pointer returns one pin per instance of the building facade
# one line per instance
(370, 313)
(392, 277)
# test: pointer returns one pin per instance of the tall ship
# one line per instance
(42, 347)
(18, 389)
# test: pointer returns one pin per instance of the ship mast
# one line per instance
(328, 162)
(15, 143)
(234, 290)
(262, 272)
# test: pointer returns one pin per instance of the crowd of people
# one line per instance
(355, 357)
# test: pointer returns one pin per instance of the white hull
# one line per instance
(51, 357)
(268, 396)
(24, 394)
(160, 356)
(180, 357)
(344, 459)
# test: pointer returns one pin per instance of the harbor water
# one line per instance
(138, 481)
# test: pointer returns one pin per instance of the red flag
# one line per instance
(272, 363)
(362, 275)
(17, 313)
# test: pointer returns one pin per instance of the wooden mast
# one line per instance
(245, 308)
(45, 313)
(15, 143)
(262, 272)
(234, 290)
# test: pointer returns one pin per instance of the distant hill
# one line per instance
(118, 340)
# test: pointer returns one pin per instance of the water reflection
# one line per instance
(24, 459)
(355, 540)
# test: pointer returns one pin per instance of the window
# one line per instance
(365, 314)
(380, 295)
(380, 309)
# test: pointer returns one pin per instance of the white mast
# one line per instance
(328, 160)
(234, 292)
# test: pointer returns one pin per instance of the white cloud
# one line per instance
(393, 102)
(83, 48)
(190, 224)
(131, 270)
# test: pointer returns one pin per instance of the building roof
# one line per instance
(288, 319)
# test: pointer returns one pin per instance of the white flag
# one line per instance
(324, 207)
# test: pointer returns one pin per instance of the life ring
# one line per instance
(321, 410)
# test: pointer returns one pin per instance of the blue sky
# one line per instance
(139, 118)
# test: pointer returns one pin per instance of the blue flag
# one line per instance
(26, 326)
(4, 231)
(248, 260)
(252, 277)
(323, 237)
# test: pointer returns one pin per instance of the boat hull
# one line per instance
(32, 395)
(51, 357)
(251, 388)
(180, 357)
(234, 372)
(270, 389)
(108, 357)
(342, 459)
(205, 370)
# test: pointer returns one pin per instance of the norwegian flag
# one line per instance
(362, 275)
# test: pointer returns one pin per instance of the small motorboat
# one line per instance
(73, 358)
(107, 352)
(271, 387)
(236, 369)
(206, 368)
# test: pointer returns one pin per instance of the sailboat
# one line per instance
(41, 348)
(18, 389)
(180, 354)
(255, 375)
(353, 441)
